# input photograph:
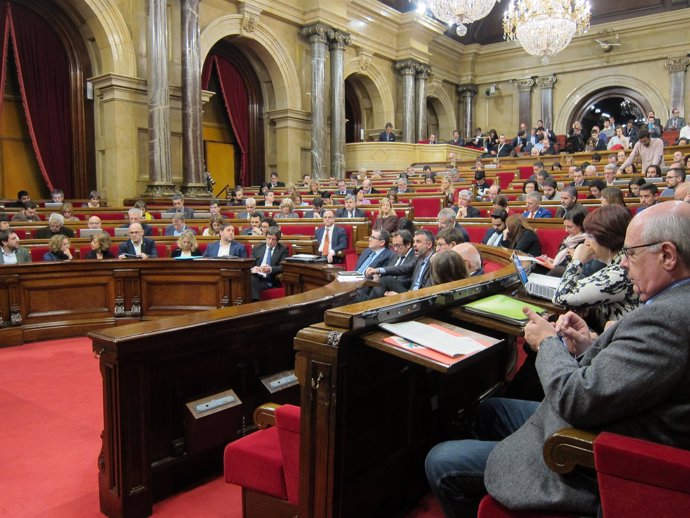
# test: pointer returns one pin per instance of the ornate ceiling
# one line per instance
(490, 29)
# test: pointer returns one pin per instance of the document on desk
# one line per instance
(434, 338)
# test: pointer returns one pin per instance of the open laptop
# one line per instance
(541, 286)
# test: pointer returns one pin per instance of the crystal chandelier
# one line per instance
(545, 27)
(460, 11)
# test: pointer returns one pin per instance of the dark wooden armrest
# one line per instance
(569, 448)
(265, 415)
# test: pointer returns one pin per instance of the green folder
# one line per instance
(502, 307)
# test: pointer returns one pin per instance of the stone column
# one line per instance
(423, 72)
(546, 84)
(160, 172)
(407, 70)
(677, 67)
(193, 181)
(339, 41)
(318, 35)
(524, 87)
(467, 93)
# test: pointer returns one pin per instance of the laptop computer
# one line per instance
(537, 285)
(88, 232)
(122, 232)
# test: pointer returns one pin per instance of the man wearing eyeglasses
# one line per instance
(632, 380)
(674, 177)
(377, 254)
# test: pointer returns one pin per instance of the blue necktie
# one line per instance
(365, 264)
(420, 274)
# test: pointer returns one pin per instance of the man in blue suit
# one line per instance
(137, 245)
(534, 208)
(378, 253)
(350, 209)
(331, 239)
(226, 247)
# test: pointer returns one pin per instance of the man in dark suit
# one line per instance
(503, 148)
(675, 122)
(377, 254)
(254, 228)
(317, 211)
(534, 208)
(331, 239)
(226, 247)
(268, 257)
(456, 140)
(342, 188)
(387, 135)
(569, 202)
(135, 216)
(137, 245)
(423, 245)
(250, 208)
(274, 181)
(367, 188)
(446, 218)
(465, 208)
(178, 206)
(631, 380)
(177, 227)
(494, 236)
(350, 209)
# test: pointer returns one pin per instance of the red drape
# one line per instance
(43, 71)
(3, 52)
(236, 104)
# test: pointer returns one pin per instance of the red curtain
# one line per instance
(43, 71)
(4, 32)
(236, 103)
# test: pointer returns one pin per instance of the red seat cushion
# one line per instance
(255, 462)
(476, 232)
(550, 239)
(272, 293)
(426, 207)
(490, 508)
(288, 424)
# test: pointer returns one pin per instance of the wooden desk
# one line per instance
(369, 417)
(152, 369)
(41, 301)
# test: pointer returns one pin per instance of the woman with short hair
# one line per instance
(100, 247)
(58, 249)
(286, 210)
(215, 225)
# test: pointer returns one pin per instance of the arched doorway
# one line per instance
(621, 103)
(234, 120)
(353, 117)
(358, 108)
(50, 141)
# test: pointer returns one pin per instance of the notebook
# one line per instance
(537, 285)
(434, 338)
(502, 307)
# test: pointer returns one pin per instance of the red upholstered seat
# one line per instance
(37, 253)
(490, 508)
(490, 266)
(476, 232)
(272, 293)
(550, 239)
(525, 171)
(505, 178)
(427, 207)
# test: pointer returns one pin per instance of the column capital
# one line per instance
(423, 71)
(677, 64)
(524, 85)
(407, 67)
(250, 17)
(467, 90)
(339, 39)
(317, 33)
(546, 82)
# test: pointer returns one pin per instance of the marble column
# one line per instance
(339, 41)
(546, 84)
(423, 72)
(160, 172)
(677, 67)
(524, 87)
(467, 93)
(193, 181)
(318, 35)
(407, 70)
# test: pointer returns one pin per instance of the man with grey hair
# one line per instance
(350, 209)
(610, 174)
(250, 208)
(534, 208)
(465, 208)
(446, 218)
(135, 215)
(590, 171)
(632, 380)
(56, 225)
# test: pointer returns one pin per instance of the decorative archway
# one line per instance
(372, 83)
(645, 93)
(444, 107)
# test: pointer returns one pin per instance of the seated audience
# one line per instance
(267, 223)
(27, 212)
(187, 246)
(57, 196)
(67, 211)
(316, 212)
(520, 236)
(360, 198)
(100, 247)
(249, 209)
(573, 223)
(653, 171)
(22, 198)
(93, 222)
(226, 246)
(471, 257)
(607, 294)
(4, 221)
(595, 188)
(448, 238)
(141, 205)
(135, 215)
(494, 235)
(612, 196)
(634, 186)
(332, 239)
(177, 226)
(287, 210)
(386, 219)
(215, 224)
(377, 253)
(446, 218)
(94, 200)
(649, 195)
(550, 189)
(568, 201)
(58, 249)
(56, 225)
(12, 253)
(465, 208)
(392, 196)
(178, 206)
(527, 187)
(297, 200)
(500, 203)
(534, 208)
(269, 200)
(447, 266)
(268, 257)
(639, 364)
(137, 246)
(674, 178)
(314, 188)
(350, 209)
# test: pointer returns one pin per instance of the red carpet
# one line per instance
(50, 403)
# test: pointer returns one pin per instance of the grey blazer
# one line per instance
(23, 256)
(634, 380)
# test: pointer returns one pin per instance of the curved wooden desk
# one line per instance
(42, 301)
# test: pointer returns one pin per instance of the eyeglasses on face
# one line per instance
(629, 251)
